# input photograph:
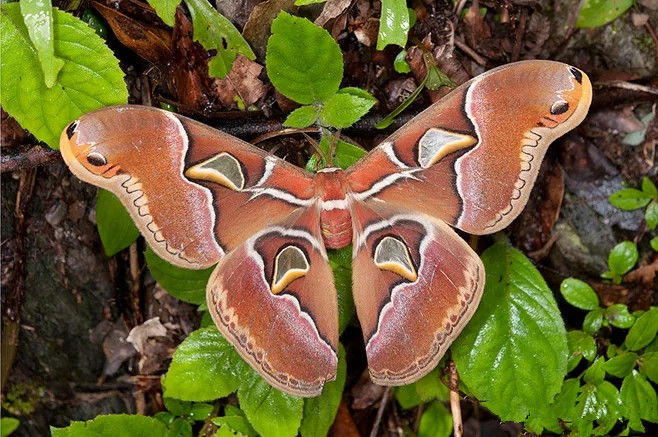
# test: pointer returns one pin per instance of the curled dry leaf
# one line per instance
(242, 82)
(140, 333)
(149, 42)
(257, 28)
(331, 10)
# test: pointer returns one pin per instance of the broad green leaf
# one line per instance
(621, 365)
(200, 411)
(595, 13)
(114, 425)
(428, 388)
(643, 331)
(654, 243)
(618, 316)
(347, 154)
(580, 345)
(177, 407)
(115, 227)
(596, 372)
(651, 215)
(8, 425)
(302, 117)
(639, 399)
(579, 294)
(179, 428)
(622, 257)
(90, 78)
(204, 367)
(436, 78)
(340, 261)
(593, 321)
(38, 18)
(235, 419)
(649, 365)
(436, 421)
(166, 10)
(561, 408)
(393, 24)
(214, 31)
(513, 353)
(320, 411)
(629, 199)
(343, 110)
(649, 188)
(303, 61)
(184, 284)
(599, 402)
(270, 411)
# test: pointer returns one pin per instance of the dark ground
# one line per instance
(71, 307)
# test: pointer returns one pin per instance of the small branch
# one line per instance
(380, 412)
(470, 52)
(34, 156)
(455, 407)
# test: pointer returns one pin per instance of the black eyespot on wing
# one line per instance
(96, 159)
(577, 74)
(71, 129)
(559, 107)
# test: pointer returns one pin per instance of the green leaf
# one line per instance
(204, 367)
(622, 257)
(177, 407)
(437, 78)
(184, 284)
(270, 411)
(166, 10)
(303, 61)
(113, 425)
(214, 31)
(598, 402)
(343, 110)
(426, 389)
(621, 365)
(235, 419)
(436, 421)
(400, 63)
(38, 18)
(179, 428)
(618, 316)
(643, 331)
(651, 215)
(320, 411)
(580, 345)
(629, 199)
(654, 243)
(115, 227)
(90, 78)
(302, 117)
(393, 24)
(595, 13)
(639, 399)
(514, 352)
(596, 372)
(561, 408)
(579, 294)
(93, 20)
(649, 188)
(200, 411)
(593, 321)
(8, 425)
(649, 365)
(340, 261)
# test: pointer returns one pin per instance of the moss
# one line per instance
(22, 398)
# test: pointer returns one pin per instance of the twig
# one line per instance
(455, 407)
(11, 316)
(629, 86)
(518, 38)
(35, 155)
(380, 412)
(652, 32)
(135, 284)
(470, 52)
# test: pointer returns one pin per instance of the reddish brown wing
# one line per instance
(471, 159)
(416, 284)
(273, 298)
(194, 192)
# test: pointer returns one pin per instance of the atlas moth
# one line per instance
(202, 198)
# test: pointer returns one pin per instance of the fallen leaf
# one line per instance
(141, 333)
(242, 82)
